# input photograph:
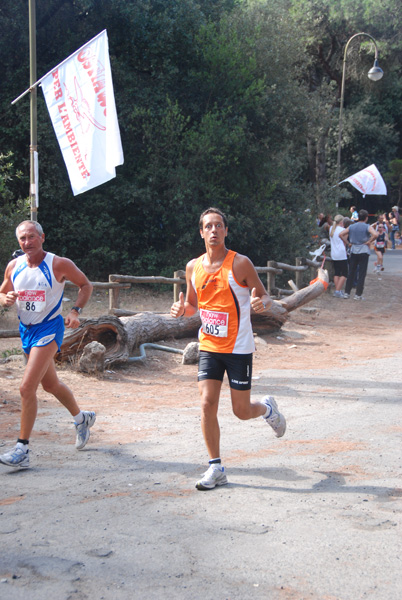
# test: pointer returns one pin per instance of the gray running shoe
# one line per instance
(358, 297)
(83, 432)
(211, 478)
(276, 420)
(16, 458)
(346, 296)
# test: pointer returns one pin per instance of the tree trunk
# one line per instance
(121, 336)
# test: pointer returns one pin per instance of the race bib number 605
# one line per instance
(214, 323)
(32, 300)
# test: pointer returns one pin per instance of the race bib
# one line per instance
(380, 245)
(32, 300)
(214, 323)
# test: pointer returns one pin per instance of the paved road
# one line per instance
(392, 261)
(314, 516)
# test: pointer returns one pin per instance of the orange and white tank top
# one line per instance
(224, 306)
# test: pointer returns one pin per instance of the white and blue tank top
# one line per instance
(40, 295)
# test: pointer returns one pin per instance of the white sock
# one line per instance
(21, 446)
(78, 419)
(268, 412)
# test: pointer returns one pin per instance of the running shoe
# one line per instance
(338, 294)
(83, 432)
(214, 476)
(346, 296)
(358, 297)
(276, 420)
(16, 458)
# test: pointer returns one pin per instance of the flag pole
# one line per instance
(33, 148)
(34, 84)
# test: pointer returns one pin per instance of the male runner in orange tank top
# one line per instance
(218, 285)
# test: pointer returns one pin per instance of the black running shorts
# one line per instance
(340, 268)
(239, 367)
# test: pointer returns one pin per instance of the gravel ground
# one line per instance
(314, 515)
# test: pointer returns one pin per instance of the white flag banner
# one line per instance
(368, 181)
(80, 99)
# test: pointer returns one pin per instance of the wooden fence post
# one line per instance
(177, 286)
(114, 294)
(271, 276)
(299, 274)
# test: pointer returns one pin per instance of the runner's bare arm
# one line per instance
(374, 235)
(189, 306)
(7, 294)
(64, 269)
(344, 235)
(245, 273)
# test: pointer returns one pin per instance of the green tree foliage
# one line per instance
(11, 212)
(372, 116)
(221, 102)
(394, 176)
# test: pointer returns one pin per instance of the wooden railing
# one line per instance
(273, 268)
(178, 280)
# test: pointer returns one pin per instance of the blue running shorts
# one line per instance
(42, 334)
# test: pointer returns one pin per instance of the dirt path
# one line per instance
(314, 515)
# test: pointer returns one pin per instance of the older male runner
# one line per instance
(218, 285)
(35, 282)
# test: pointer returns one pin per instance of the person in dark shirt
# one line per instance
(359, 236)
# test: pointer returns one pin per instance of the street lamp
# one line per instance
(374, 74)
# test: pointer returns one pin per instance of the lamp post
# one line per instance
(374, 74)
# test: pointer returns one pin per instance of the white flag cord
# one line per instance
(34, 85)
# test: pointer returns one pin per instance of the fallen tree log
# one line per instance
(9, 333)
(122, 336)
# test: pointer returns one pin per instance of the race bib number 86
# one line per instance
(32, 300)
(214, 323)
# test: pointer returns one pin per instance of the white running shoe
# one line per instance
(83, 432)
(276, 420)
(214, 476)
(16, 458)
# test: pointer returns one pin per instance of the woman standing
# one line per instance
(339, 256)
(394, 223)
(380, 245)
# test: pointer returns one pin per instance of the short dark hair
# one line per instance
(214, 211)
(363, 214)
